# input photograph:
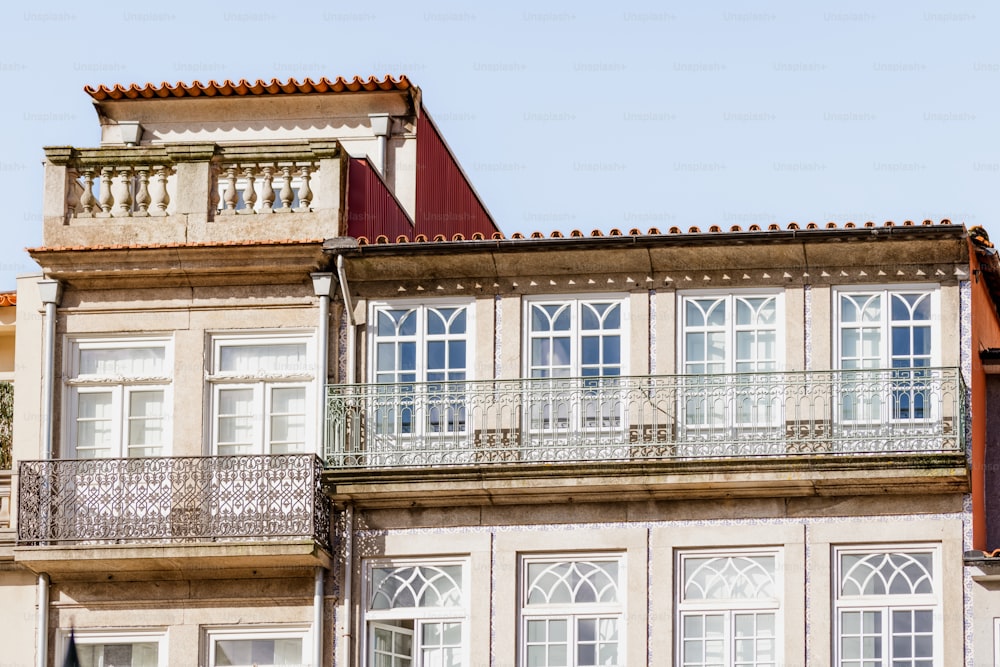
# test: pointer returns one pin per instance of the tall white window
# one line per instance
(723, 334)
(572, 612)
(262, 394)
(729, 609)
(895, 330)
(258, 647)
(110, 648)
(580, 338)
(421, 353)
(416, 614)
(119, 397)
(887, 607)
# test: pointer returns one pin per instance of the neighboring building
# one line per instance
(368, 429)
(170, 505)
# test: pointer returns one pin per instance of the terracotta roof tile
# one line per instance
(243, 87)
(653, 231)
(8, 298)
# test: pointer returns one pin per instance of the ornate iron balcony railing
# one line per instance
(813, 413)
(172, 499)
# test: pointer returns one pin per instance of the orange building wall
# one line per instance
(985, 330)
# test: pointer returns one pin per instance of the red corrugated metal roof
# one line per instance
(243, 87)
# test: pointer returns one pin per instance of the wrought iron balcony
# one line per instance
(498, 422)
(172, 499)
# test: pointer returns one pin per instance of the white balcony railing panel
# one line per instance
(893, 411)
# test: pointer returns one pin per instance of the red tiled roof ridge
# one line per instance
(228, 88)
(654, 231)
(189, 244)
(8, 298)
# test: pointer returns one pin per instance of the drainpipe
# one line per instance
(347, 600)
(43, 621)
(50, 292)
(322, 288)
(349, 307)
(317, 660)
(346, 588)
(380, 128)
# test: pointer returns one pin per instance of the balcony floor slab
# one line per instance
(191, 560)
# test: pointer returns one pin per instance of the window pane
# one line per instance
(437, 320)
(140, 654)
(612, 350)
(236, 420)
(456, 356)
(901, 341)
(258, 652)
(436, 354)
(288, 420)
(922, 340)
(716, 313)
(270, 358)
(94, 427)
(145, 428)
(416, 586)
(385, 354)
(123, 362)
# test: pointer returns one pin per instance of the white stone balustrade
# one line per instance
(192, 193)
(122, 191)
(265, 187)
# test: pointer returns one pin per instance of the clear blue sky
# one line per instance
(576, 115)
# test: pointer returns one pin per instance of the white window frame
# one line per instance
(383, 618)
(888, 603)
(716, 401)
(996, 642)
(247, 633)
(573, 612)
(121, 389)
(731, 328)
(884, 398)
(118, 636)
(262, 384)
(732, 607)
(577, 402)
(456, 414)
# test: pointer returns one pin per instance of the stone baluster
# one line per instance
(159, 197)
(249, 195)
(105, 198)
(213, 190)
(72, 192)
(87, 200)
(305, 194)
(142, 197)
(230, 195)
(267, 191)
(287, 193)
(123, 198)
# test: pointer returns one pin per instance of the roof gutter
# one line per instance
(336, 246)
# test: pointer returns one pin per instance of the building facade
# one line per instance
(302, 403)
